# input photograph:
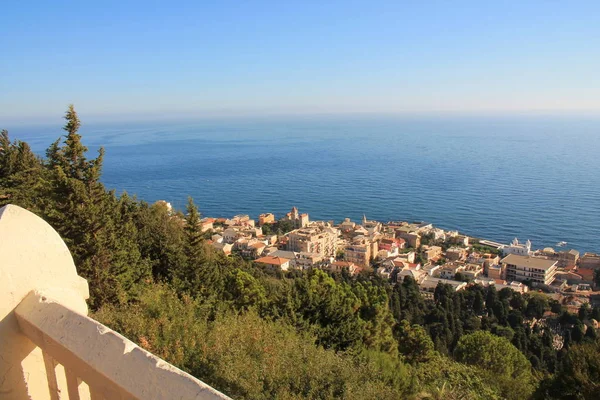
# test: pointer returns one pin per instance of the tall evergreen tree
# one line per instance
(87, 217)
(192, 228)
(22, 177)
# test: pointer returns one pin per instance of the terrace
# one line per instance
(49, 347)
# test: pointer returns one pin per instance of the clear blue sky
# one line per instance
(233, 57)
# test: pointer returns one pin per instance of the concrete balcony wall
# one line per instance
(49, 348)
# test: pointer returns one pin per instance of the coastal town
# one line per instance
(397, 249)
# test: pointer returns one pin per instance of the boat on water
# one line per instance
(561, 244)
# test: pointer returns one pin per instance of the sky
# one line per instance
(204, 58)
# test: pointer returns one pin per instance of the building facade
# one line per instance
(526, 268)
(314, 239)
(517, 248)
(299, 220)
(267, 218)
(360, 252)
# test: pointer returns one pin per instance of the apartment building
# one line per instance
(318, 239)
(361, 251)
(523, 268)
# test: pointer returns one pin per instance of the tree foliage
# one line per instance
(498, 358)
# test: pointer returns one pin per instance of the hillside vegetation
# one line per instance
(256, 333)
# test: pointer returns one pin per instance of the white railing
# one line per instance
(89, 354)
(49, 347)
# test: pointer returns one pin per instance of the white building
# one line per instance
(517, 248)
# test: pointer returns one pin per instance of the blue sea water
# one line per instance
(535, 177)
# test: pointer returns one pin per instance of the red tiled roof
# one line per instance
(587, 274)
(272, 260)
(342, 263)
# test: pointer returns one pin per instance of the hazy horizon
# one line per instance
(95, 120)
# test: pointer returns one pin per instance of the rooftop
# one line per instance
(272, 260)
(343, 264)
(527, 261)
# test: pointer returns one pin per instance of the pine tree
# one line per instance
(74, 161)
(201, 274)
(22, 178)
(88, 218)
(192, 227)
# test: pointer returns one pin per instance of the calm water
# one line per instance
(532, 177)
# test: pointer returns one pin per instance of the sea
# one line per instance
(493, 177)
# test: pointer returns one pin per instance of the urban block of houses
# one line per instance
(279, 262)
(338, 266)
(400, 261)
(290, 255)
(310, 260)
(456, 254)
(385, 271)
(471, 271)
(230, 235)
(448, 270)
(589, 261)
(496, 271)
(347, 226)
(437, 234)
(299, 220)
(428, 285)
(266, 218)
(432, 253)
(565, 258)
(455, 238)
(361, 251)
(526, 268)
(408, 233)
(270, 239)
(389, 247)
(371, 227)
(483, 260)
(431, 269)
(206, 224)
(226, 248)
(417, 274)
(240, 221)
(500, 284)
(249, 248)
(321, 239)
(409, 257)
(569, 257)
(576, 275)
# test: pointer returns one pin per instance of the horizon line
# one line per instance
(191, 115)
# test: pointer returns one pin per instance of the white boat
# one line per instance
(561, 244)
